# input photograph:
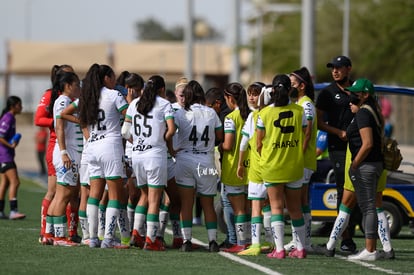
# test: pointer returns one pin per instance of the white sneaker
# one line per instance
(364, 255)
(290, 246)
(14, 215)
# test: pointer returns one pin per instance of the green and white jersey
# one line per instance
(111, 104)
(249, 131)
(73, 133)
(196, 129)
(148, 131)
(282, 152)
(310, 114)
(233, 124)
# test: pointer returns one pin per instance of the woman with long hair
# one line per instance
(280, 145)
(9, 176)
(100, 110)
(149, 125)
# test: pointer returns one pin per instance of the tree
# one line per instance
(151, 29)
(381, 36)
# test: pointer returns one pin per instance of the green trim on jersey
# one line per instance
(282, 151)
(310, 153)
(123, 107)
(230, 158)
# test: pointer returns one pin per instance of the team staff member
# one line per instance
(9, 176)
(280, 144)
(334, 116)
(364, 135)
(152, 120)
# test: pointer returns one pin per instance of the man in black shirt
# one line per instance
(334, 116)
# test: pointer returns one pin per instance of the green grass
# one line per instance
(20, 253)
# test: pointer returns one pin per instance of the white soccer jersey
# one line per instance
(196, 129)
(111, 104)
(73, 133)
(148, 131)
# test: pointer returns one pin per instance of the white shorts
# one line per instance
(106, 158)
(257, 191)
(292, 185)
(197, 171)
(66, 176)
(128, 158)
(307, 173)
(170, 167)
(150, 171)
(230, 190)
(83, 169)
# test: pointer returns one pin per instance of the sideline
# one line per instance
(369, 265)
(230, 256)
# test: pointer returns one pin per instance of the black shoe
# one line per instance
(225, 244)
(187, 247)
(76, 238)
(324, 230)
(213, 247)
(348, 246)
(321, 249)
(390, 255)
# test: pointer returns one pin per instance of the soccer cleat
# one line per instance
(136, 239)
(235, 248)
(348, 246)
(85, 241)
(213, 246)
(323, 250)
(296, 253)
(364, 255)
(76, 238)
(94, 243)
(253, 250)
(111, 243)
(290, 246)
(3, 216)
(155, 245)
(386, 255)
(14, 215)
(61, 241)
(177, 243)
(266, 247)
(277, 255)
(187, 247)
(225, 244)
(47, 239)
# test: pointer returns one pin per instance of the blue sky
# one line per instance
(101, 20)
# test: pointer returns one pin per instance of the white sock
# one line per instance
(299, 235)
(123, 225)
(92, 214)
(139, 223)
(278, 230)
(111, 218)
(308, 228)
(341, 222)
(187, 233)
(384, 230)
(212, 234)
(152, 228)
(101, 223)
(83, 221)
(256, 229)
(163, 223)
(131, 214)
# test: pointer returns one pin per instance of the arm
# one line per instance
(322, 125)
(67, 114)
(243, 147)
(169, 134)
(42, 116)
(367, 145)
(307, 135)
(60, 133)
(260, 134)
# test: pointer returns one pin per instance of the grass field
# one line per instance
(20, 253)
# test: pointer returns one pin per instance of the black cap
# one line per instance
(339, 61)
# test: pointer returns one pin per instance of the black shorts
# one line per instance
(4, 166)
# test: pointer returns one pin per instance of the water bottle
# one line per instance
(15, 138)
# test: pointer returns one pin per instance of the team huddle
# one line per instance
(128, 156)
